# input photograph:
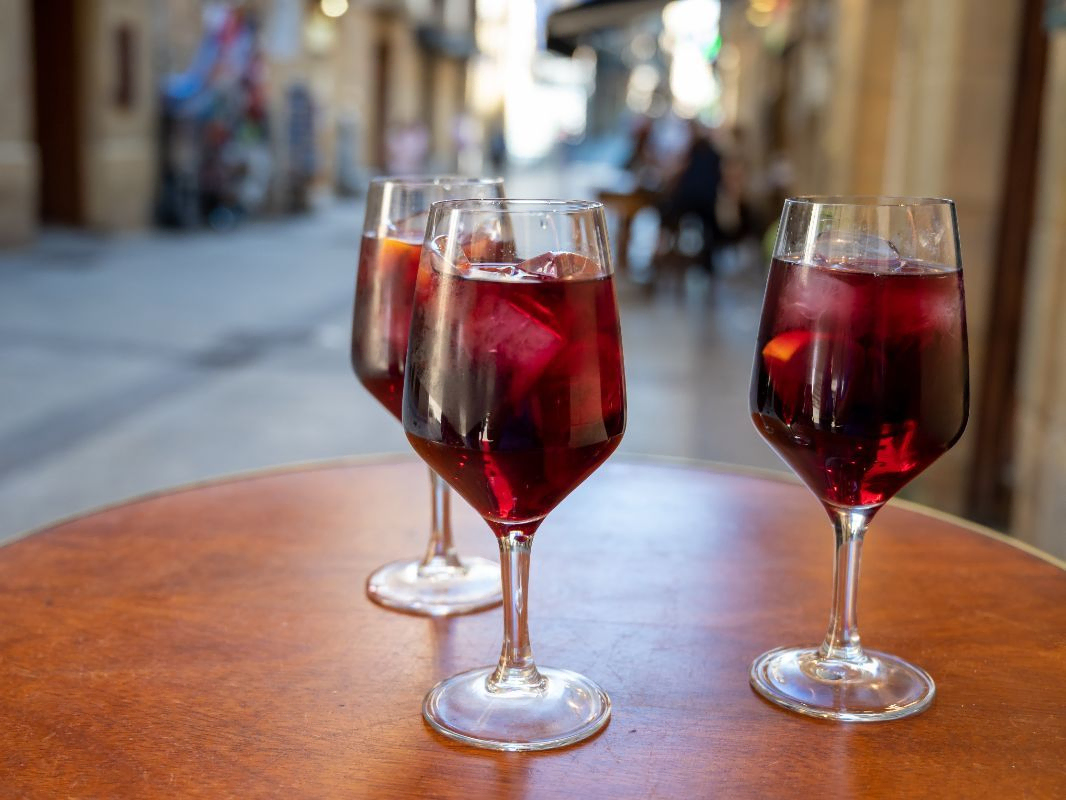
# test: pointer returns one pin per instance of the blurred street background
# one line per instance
(181, 200)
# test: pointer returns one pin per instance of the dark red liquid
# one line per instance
(384, 291)
(861, 377)
(520, 403)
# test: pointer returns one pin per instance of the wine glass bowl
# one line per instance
(514, 393)
(440, 583)
(860, 382)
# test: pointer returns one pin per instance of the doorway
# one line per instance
(57, 111)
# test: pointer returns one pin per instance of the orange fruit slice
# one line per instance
(780, 350)
(399, 253)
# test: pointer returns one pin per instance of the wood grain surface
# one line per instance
(216, 642)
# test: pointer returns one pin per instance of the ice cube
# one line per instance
(921, 307)
(816, 294)
(489, 243)
(564, 266)
(496, 272)
(520, 335)
(447, 257)
(595, 386)
(411, 228)
(855, 250)
(931, 238)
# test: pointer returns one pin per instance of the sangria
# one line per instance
(860, 382)
(440, 583)
(514, 393)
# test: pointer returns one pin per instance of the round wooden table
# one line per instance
(216, 641)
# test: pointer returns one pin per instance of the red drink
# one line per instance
(860, 375)
(520, 403)
(384, 291)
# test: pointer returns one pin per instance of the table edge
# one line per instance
(782, 476)
(220, 479)
(340, 462)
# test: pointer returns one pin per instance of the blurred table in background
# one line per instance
(625, 203)
(216, 641)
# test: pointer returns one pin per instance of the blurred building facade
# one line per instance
(963, 99)
(957, 98)
(92, 87)
(77, 141)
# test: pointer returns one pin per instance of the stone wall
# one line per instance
(1039, 512)
(920, 105)
(119, 147)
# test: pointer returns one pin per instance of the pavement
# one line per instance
(131, 364)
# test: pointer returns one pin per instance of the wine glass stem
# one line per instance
(516, 670)
(441, 552)
(842, 639)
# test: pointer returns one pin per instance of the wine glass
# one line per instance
(514, 393)
(861, 381)
(440, 583)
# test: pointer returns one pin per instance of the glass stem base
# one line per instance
(436, 588)
(872, 687)
(556, 708)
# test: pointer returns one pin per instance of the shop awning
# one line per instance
(567, 25)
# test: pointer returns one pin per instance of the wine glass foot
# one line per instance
(439, 592)
(567, 708)
(877, 688)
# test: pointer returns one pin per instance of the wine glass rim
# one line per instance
(511, 205)
(872, 200)
(435, 180)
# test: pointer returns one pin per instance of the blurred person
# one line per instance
(735, 217)
(301, 145)
(692, 192)
(407, 148)
(671, 139)
(497, 144)
(215, 142)
(643, 162)
(349, 177)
